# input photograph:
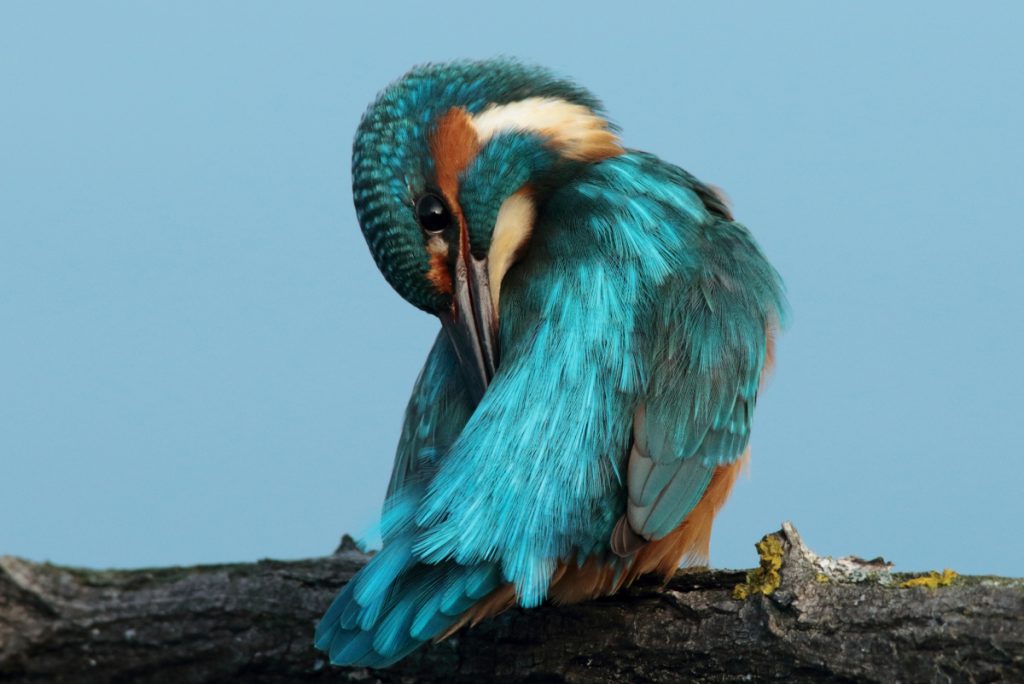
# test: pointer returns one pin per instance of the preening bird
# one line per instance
(587, 404)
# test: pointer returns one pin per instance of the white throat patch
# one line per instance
(511, 231)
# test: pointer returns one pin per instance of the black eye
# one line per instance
(432, 213)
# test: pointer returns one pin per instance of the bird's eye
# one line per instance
(432, 213)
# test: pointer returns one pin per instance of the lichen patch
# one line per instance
(933, 580)
(764, 579)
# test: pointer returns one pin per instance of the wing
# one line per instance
(536, 469)
(395, 603)
(711, 334)
(437, 411)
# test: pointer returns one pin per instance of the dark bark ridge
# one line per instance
(799, 618)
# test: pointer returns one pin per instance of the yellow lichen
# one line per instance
(764, 579)
(821, 578)
(932, 580)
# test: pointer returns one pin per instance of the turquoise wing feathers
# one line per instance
(396, 603)
(712, 330)
(435, 415)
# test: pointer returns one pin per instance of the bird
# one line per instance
(605, 328)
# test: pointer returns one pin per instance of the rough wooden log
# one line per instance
(803, 618)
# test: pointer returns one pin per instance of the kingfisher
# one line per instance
(605, 327)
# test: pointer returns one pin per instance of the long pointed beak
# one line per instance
(472, 324)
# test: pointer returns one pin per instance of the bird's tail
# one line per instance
(396, 603)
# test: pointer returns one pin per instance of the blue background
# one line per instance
(199, 361)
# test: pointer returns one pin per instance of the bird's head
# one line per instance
(448, 167)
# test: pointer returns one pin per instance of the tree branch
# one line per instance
(841, 620)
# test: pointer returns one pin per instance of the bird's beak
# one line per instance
(472, 324)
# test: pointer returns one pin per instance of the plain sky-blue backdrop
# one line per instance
(199, 361)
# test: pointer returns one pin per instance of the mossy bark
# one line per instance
(823, 620)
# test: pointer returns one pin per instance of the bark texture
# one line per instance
(804, 618)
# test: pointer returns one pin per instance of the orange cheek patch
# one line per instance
(453, 145)
(438, 274)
